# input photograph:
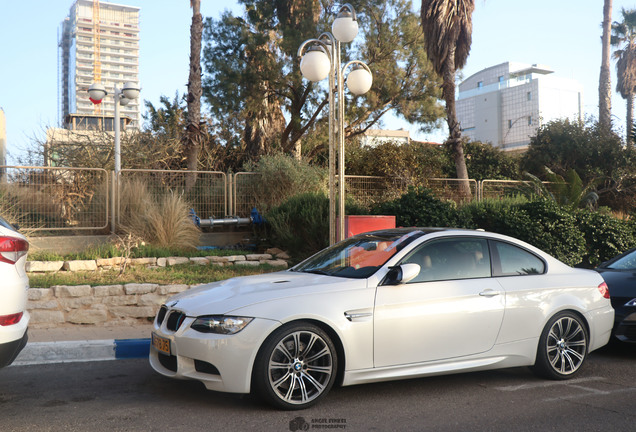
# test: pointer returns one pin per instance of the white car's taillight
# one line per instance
(604, 290)
(12, 249)
(7, 320)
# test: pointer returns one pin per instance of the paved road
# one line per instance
(126, 395)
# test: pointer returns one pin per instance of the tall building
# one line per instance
(505, 104)
(97, 42)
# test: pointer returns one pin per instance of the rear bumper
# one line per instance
(10, 350)
(601, 322)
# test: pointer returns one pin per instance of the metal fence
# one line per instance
(55, 199)
(204, 191)
(65, 199)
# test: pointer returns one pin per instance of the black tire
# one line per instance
(562, 347)
(295, 367)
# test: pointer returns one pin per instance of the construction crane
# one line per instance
(97, 64)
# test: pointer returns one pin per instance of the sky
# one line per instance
(561, 34)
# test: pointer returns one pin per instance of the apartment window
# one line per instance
(529, 96)
(480, 84)
(509, 124)
(529, 120)
(501, 79)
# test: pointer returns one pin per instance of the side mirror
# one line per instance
(402, 274)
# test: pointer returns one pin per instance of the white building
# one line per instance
(505, 104)
(98, 45)
(376, 137)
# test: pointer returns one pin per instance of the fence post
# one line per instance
(229, 209)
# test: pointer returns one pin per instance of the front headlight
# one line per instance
(220, 324)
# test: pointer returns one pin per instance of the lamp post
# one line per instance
(123, 96)
(96, 93)
(320, 58)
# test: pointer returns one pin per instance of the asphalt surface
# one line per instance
(126, 395)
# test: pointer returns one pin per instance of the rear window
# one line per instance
(516, 261)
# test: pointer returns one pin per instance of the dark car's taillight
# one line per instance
(12, 249)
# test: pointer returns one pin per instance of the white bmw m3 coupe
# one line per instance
(385, 305)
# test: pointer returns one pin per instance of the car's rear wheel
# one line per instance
(295, 367)
(562, 347)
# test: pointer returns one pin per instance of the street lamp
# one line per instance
(97, 92)
(320, 58)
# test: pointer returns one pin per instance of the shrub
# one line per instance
(162, 222)
(418, 207)
(553, 230)
(279, 177)
(605, 236)
(300, 225)
(500, 216)
(413, 162)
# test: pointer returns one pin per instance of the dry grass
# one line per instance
(161, 222)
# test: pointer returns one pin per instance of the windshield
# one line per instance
(359, 256)
(627, 262)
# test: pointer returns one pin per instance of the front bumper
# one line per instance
(221, 362)
(625, 326)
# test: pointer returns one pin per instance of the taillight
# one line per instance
(12, 249)
(604, 290)
(7, 320)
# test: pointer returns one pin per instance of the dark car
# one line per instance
(620, 275)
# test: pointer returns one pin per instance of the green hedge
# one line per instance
(578, 237)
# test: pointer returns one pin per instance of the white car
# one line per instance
(385, 305)
(14, 283)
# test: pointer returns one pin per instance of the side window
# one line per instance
(516, 261)
(456, 258)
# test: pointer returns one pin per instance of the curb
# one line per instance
(36, 353)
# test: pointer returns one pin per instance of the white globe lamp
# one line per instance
(131, 91)
(315, 65)
(359, 80)
(345, 26)
(96, 92)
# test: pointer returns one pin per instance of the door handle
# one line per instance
(489, 293)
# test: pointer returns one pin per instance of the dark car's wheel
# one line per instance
(562, 347)
(295, 367)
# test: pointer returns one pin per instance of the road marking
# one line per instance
(578, 396)
(548, 384)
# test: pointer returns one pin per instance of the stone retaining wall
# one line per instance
(98, 305)
(111, 305)
(109, 263)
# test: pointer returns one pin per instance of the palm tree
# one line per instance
(193, 138)
(624, 37)
(605, 84)
(448, 28)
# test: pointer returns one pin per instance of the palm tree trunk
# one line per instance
(454, 141)
(630, 119)
(604, 85)
(194, 136)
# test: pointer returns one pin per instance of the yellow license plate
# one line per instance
(161, 344)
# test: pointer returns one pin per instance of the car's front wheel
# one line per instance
(295, 367)
(562, 347)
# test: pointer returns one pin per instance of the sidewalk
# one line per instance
(74, 343)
